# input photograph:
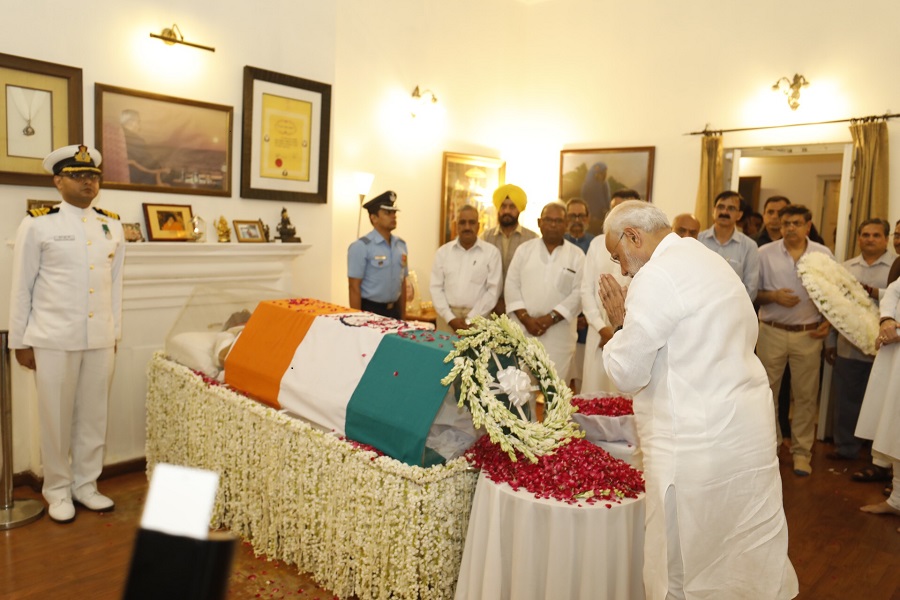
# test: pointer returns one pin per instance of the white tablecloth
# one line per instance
(522, 548)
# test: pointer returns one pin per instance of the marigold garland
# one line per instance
(841, 298)
(471, 360)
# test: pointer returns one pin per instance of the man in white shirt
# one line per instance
(791, 330)
(724, 239)
(543, 288)
(851, 366)
(683, 345)
(597, 262)
(465, 275)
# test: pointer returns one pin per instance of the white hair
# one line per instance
(635, 213)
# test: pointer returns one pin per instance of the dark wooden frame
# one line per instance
(41, 71)
(154, 231)
(171, 181)
(319, 94)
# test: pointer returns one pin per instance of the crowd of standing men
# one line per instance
(710, 347)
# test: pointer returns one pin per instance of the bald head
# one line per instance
(686, 225)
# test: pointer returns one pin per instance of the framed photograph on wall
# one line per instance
(469, 179)
(249, 231)
(157, 143)
(595, 174)
(285, 137)
(40, 110)
(168, 222)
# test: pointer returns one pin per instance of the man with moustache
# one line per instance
(65, 321)
(465, 275)
(509, 200)
(724, 239)
(683, 346)
(377, 262)
(852, 366)
(543, 288)
(791, 330)
(686, 225)
(594, 378)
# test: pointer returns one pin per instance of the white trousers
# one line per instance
(73, 395)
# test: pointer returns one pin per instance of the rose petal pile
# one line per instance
(576, 472)
(610, 406)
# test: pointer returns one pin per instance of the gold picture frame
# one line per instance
(40, 111)
(469, 179)
(168, 222)
(249, 231)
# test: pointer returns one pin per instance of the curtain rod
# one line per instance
(708, 131)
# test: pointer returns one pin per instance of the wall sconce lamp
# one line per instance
(172, 35)
(791, 89)
(420, 100)
(362, 183)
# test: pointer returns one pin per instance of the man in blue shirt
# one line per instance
(724, 239)
(377, 262)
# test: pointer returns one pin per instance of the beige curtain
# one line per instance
(870, 175)
(711, 177)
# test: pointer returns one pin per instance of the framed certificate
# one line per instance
(285, 141)
(40, 110)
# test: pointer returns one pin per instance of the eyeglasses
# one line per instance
(791, 224)
(613, 257)
(574, 217)
(82, 176)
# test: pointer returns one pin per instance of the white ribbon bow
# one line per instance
(516, 384)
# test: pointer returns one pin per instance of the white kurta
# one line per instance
(596, 263)
(541, 282)
(879, 417)
(466, 278)
(704, 416)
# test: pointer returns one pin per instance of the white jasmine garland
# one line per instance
(363, 525)
(471, 358)
(841, 299)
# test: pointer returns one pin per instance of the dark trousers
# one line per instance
(390, 309)
(850, 380)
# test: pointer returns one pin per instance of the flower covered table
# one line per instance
(363, 525)
(523, 548)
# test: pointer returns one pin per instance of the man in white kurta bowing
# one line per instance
(594, 378)
(542, 288)
(683, 346)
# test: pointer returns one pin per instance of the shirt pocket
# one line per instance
(379, 262)
(479, 275)
(565, 280)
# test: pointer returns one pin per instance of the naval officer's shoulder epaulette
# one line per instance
(43, 210)
(107, 213)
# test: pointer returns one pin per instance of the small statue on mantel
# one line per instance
(266, 232)
(223, 229)
(286, 231)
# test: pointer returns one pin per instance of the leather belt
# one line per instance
(806, 327)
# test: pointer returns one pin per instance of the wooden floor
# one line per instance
(838, 551)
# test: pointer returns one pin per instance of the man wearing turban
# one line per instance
(509, 200)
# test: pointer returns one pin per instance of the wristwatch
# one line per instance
(555, 316)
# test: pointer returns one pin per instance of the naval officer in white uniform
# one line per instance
(65, 320)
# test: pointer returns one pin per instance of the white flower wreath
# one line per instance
(841, 298)
(477, 347)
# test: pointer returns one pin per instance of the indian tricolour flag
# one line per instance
(357, 374)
